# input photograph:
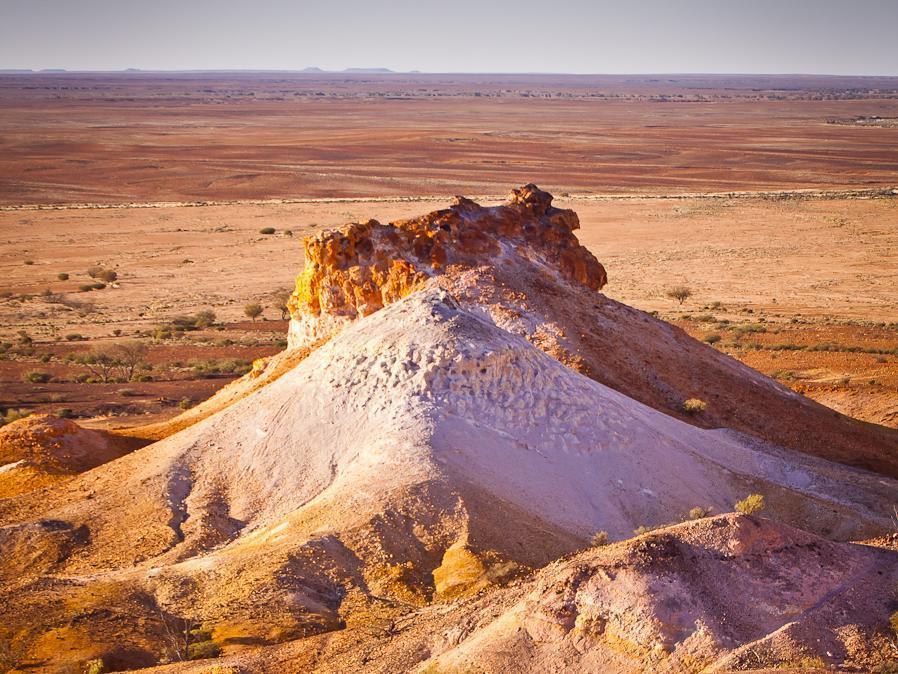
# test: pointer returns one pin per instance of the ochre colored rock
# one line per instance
(358, 269)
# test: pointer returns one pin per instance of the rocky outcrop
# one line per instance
(356, 270)
(521, 264)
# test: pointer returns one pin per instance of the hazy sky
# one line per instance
(577, 36)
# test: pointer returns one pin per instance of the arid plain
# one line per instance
(504, 432)
(799, 285)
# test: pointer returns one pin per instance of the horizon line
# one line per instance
(387, 71)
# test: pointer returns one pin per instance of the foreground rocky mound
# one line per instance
(729, 593)
(429, 447)
(390, 466)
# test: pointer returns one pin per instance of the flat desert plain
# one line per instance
(111, 138)
(771, 199)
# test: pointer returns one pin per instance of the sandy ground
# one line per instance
(822, 270)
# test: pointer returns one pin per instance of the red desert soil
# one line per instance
(114, 138)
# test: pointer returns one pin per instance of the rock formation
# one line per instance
(522, 265)
(459, 409)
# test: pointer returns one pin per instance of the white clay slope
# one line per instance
(425, 391)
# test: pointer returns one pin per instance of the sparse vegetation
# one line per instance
(212, 367)
(13, 414)
(201, 650)
(117, 361)
(803, 663)
(62, 276)
(108, 275)
(679, 293)
(698, 512)
(95, 666)
(180, 324)
(253, 310)
(37, 377)
(94, 272)
(186, 403)
(694, 406)
(599, 539)
(712, 338)
(267, 230)
(750, 505)
(282, 297)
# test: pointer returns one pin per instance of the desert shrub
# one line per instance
(886, 667)
(98, 286)
(65, 413)
(712, 338)
(288, 232)
(679, 293)
(750, 505)
(129, 392)
(748, 328)
(29, 262)
(13, 414)
(281, 298)
(121, 360)
(95, 666)
(267, 230)
(186, 403)
(86, 287)
(197, 321)
(599, 539)
(641, 529)
(202, 650)
(804, 663)
(143, 378)
(74, 337)
(45, 357)
(107, 275)
(698, 512)
(24, 337)
(204, 368)
(94, 272)
(37, 377)
(62, 276)
(253, 310)
(694, 406)
(204, 319)
(117, 332)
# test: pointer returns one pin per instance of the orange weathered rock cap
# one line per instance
(357, 269)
